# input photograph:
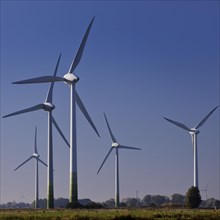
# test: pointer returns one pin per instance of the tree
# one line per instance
(109, 203)
(217, 204)
(159, 200)
(147, 200)
(73, 205)
(132, 202)
(154, 200)
(193, 197)
(93, 205)
(178, 199)
(60, 202)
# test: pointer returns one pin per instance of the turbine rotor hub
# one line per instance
(48, 106)
(70, 78)
(36, 155)
(115, 145)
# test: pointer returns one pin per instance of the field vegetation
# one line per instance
(111, 214)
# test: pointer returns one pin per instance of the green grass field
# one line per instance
(85, 214)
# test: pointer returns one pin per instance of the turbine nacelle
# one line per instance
(70, 78)
(115, 145)
(194, 131)
(47, 106)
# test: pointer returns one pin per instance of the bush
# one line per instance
(193, 197)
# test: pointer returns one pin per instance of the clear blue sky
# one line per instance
(143, 60)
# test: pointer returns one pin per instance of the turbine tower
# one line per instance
(48, 107)
(36, 156)
(116, 146)
(194, 132)
(71, 79)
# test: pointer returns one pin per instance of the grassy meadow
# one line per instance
(111, 214)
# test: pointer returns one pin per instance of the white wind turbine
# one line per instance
(194, 132)
(71, 79)
(206, 191)
(36, 156)
(116, 146)
(48, 107)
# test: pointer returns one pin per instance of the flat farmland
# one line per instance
(112, 214)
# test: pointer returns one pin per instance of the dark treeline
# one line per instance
(176, 200)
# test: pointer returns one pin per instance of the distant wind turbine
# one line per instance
(116, 146)
(36, 156)
(71, 79)
(194, 132)
(48, 107)
(206, 191)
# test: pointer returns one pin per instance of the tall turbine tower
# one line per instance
(71, 79)
(116, 146)
(48, 107)
(194, 132)
(37, 157)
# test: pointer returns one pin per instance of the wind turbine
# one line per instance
(194, 132)
(71, 79)
(36, 156)
(116, 146)
(205, 190)
(48, 107)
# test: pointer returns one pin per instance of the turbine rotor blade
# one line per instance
(24, 162)
(84, 111)
(78, 56)
(178, 124)
(105, 159)
(50, 91)
(42, 79)
(111, 134)
(57, 65)
(126, 147)
(34, 108)
(59, 131)
(206, 117)
(42, 162)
